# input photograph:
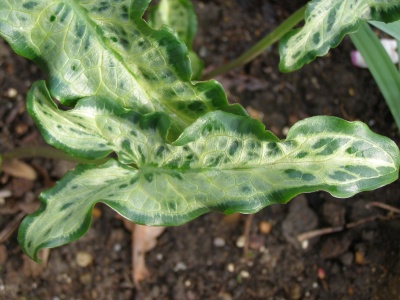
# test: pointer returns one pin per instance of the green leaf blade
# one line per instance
(392, 29)
(326, 23)
(96, 127)
(381, 68)
(177, 14)
(180, 16)
(95, 48)
(222, 162)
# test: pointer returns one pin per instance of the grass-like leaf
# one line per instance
(106, 49)
(392, 29)
(381, 67)
(222, 162)
(326, 23)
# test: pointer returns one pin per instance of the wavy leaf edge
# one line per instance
(382, 12)
(207, 127)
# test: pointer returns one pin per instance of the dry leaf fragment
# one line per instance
(20, 186)
(231, 220)
(5, 194)
(3, 254)
(7, 231)
(144, 238)
(33, 269)
(20, 169)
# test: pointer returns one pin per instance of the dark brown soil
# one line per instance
(202, 260)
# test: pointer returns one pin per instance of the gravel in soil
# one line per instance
(204, 258)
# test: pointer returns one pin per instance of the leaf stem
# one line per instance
(47, 152)
(260, 47)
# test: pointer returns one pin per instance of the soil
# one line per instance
(204, 259)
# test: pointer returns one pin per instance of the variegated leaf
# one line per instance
(93, 130)
(179, 15)
(105, 49)
(222, 162)
(326, 23)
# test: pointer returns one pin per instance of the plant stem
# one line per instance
(260, 47)
(47, 152)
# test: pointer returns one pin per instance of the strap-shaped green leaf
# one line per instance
(222, 162)
(105, 49)
(326, 23)
(392, 29)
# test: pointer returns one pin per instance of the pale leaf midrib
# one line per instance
(80, 12)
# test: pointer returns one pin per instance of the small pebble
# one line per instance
(117, 247)
(321, 274)
(254, 113)
(256, 241)
(231, 268)
(159, 257)
(265, 227)
(188, 283)
(21, 128)
(285, 130)
(305, 244)
(295, 292)
(203, 52)
(240, 242)
(5, 194)
(359, 257)
(63, 277)
(85, 278)
(224, 296)
(83, 259)
(219, 242)
(11, 93)
(347, 259)
(350, 291)
(180, 266)
(244, 274)
(96, 213)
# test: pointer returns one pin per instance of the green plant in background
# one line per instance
(379, 63)
(326, 23)
(182, 150)
(179, 15)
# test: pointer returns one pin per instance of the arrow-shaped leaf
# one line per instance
(222, 162)
(326, 23)
(105, 49)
